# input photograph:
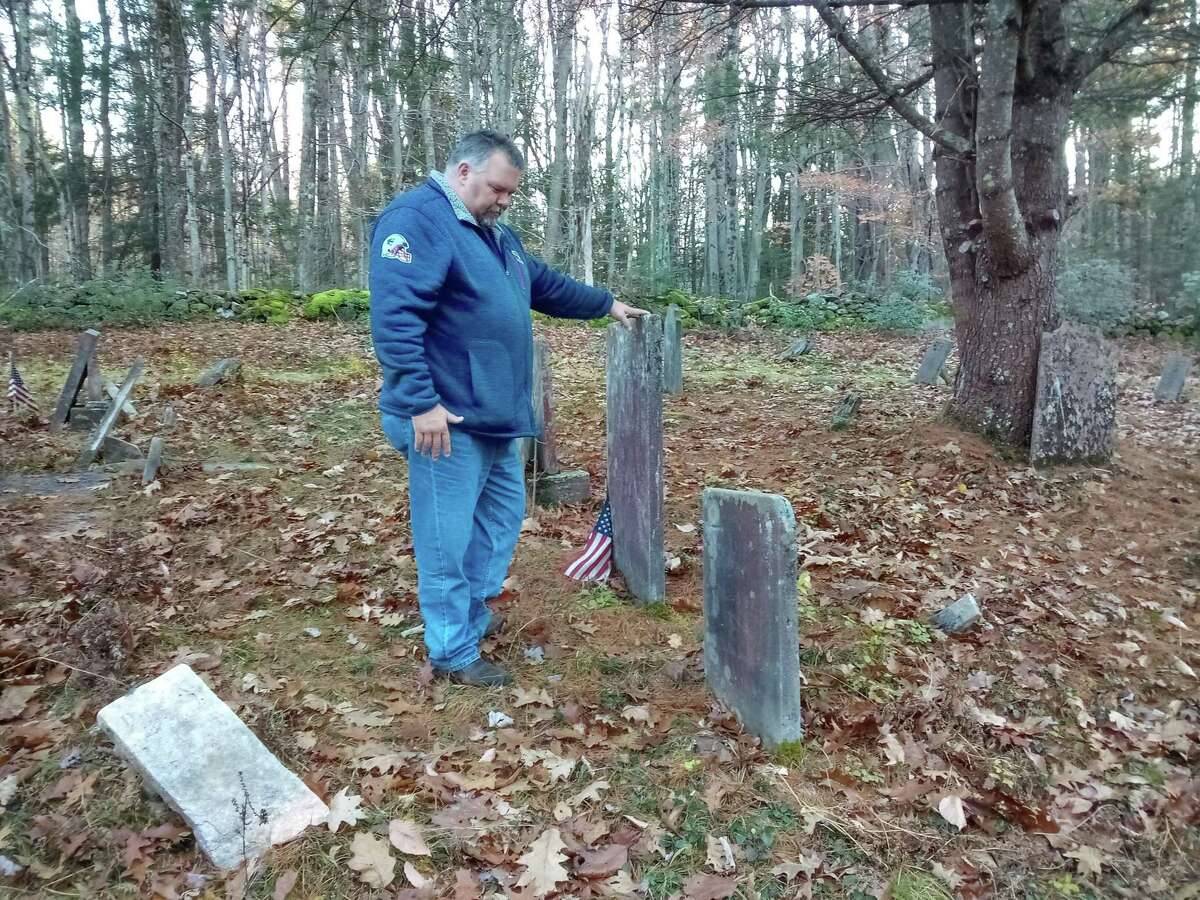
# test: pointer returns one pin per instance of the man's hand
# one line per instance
(431, 431)
(623, 312)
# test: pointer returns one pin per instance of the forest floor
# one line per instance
(1053, 751)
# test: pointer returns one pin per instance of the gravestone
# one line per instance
(153, 460)
(635, 455)
(115, 450)
(543, 450)
(88, 454)
(1075, 409)
(168, 417)
(93, 387)
(563, 487)
(751, 633)
(958, 616)
(934, 361)
(84, 355)
(672, 353)
(846, 411)
(127, 408)
(220, 466)
(209, 767)
(1175, 373)
(88, 415)
(224, 370)
(797, 349)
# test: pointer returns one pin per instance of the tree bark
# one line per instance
(76, 180)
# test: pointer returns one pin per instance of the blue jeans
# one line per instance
(466, 511)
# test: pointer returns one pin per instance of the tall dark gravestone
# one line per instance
(935, 359)
(1075, 409)
(635, 455)
(751, 633)
(1170, 386)
(672, 377)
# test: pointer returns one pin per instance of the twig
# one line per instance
(57, 662)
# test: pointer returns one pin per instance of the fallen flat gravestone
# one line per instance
(1175, 373)
(1075, 409)
(222, 371)
(192, 749)
(635, 455)
(935, 359)
(799, 348)
(751, 639)
(672, 353)
(115, 450)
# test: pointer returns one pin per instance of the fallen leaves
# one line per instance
(344, 809)
(407, 837)
(543, 863)
(951, 808)
(372, 860)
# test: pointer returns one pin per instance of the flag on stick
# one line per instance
(594, 561)
(18, 394)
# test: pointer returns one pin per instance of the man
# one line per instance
(451, 291)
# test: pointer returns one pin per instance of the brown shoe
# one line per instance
(480, 673)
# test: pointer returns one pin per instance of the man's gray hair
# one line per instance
(477, 148)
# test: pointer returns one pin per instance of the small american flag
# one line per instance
(594, 562)
(18, 394)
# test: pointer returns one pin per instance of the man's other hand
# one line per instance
(431, 431)
(623, 312)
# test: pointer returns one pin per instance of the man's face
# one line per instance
(488, 191)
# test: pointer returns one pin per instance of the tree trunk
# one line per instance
(25, 156)
(227, 229)
(76, 180)
(171, 111)
(106, 156)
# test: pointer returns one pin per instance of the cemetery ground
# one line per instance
(1050, 751)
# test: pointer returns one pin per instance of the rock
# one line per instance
(958, 616)
(1170, 386)
(563, 488)
(635, 455)
(225, 370)
(751, 637)
(1075, 408)
(935, 359)
(115, 450)
(672, 353)
(209, 767)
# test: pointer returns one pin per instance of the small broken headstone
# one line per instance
(194, 751)
(563, 487)
(958, 616)
(88, 454)
(1075, 407)
(128, 408)
(168, 417)
(672, 353)
(635, 455)
(751, 639)
(1170, 386)
(797, 349)
(224, 370)
(153, 460)
(88, 415)
(934, 361)
(846, 411)
(115, 450)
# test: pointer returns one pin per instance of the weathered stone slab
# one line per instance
(751, 639)
(846, 411)
(220, 466)
(543, 450)
(635, 455)
(128, 408)
(96, 441)
(1075, 410)
(224, 370)
(934, 361)
(93, 387)
(672, 374)
(75, 378)
(1170, 386)
(208, 766)
(798, 348)
(562, 488)
(115, 450)
(75, 483)
(87, 416)
(153, 460)
(958, 616)
(168, 417)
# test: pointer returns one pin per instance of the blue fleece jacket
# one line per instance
(450, 303)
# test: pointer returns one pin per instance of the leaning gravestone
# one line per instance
(1175, 373)
(935, 359)
(88, 454)
(192, 749)
(224, 370)
(751, 640)
(846, 411)
(85, 358)
(635, 455)
(153, 460)
(672, 354)
(1075, 409)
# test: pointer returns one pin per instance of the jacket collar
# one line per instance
(460, 209)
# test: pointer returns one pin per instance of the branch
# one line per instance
(892, 94)
(833, 4)
(1119, 33)
(1003, 224)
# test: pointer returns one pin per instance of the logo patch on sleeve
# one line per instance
(395, 246)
